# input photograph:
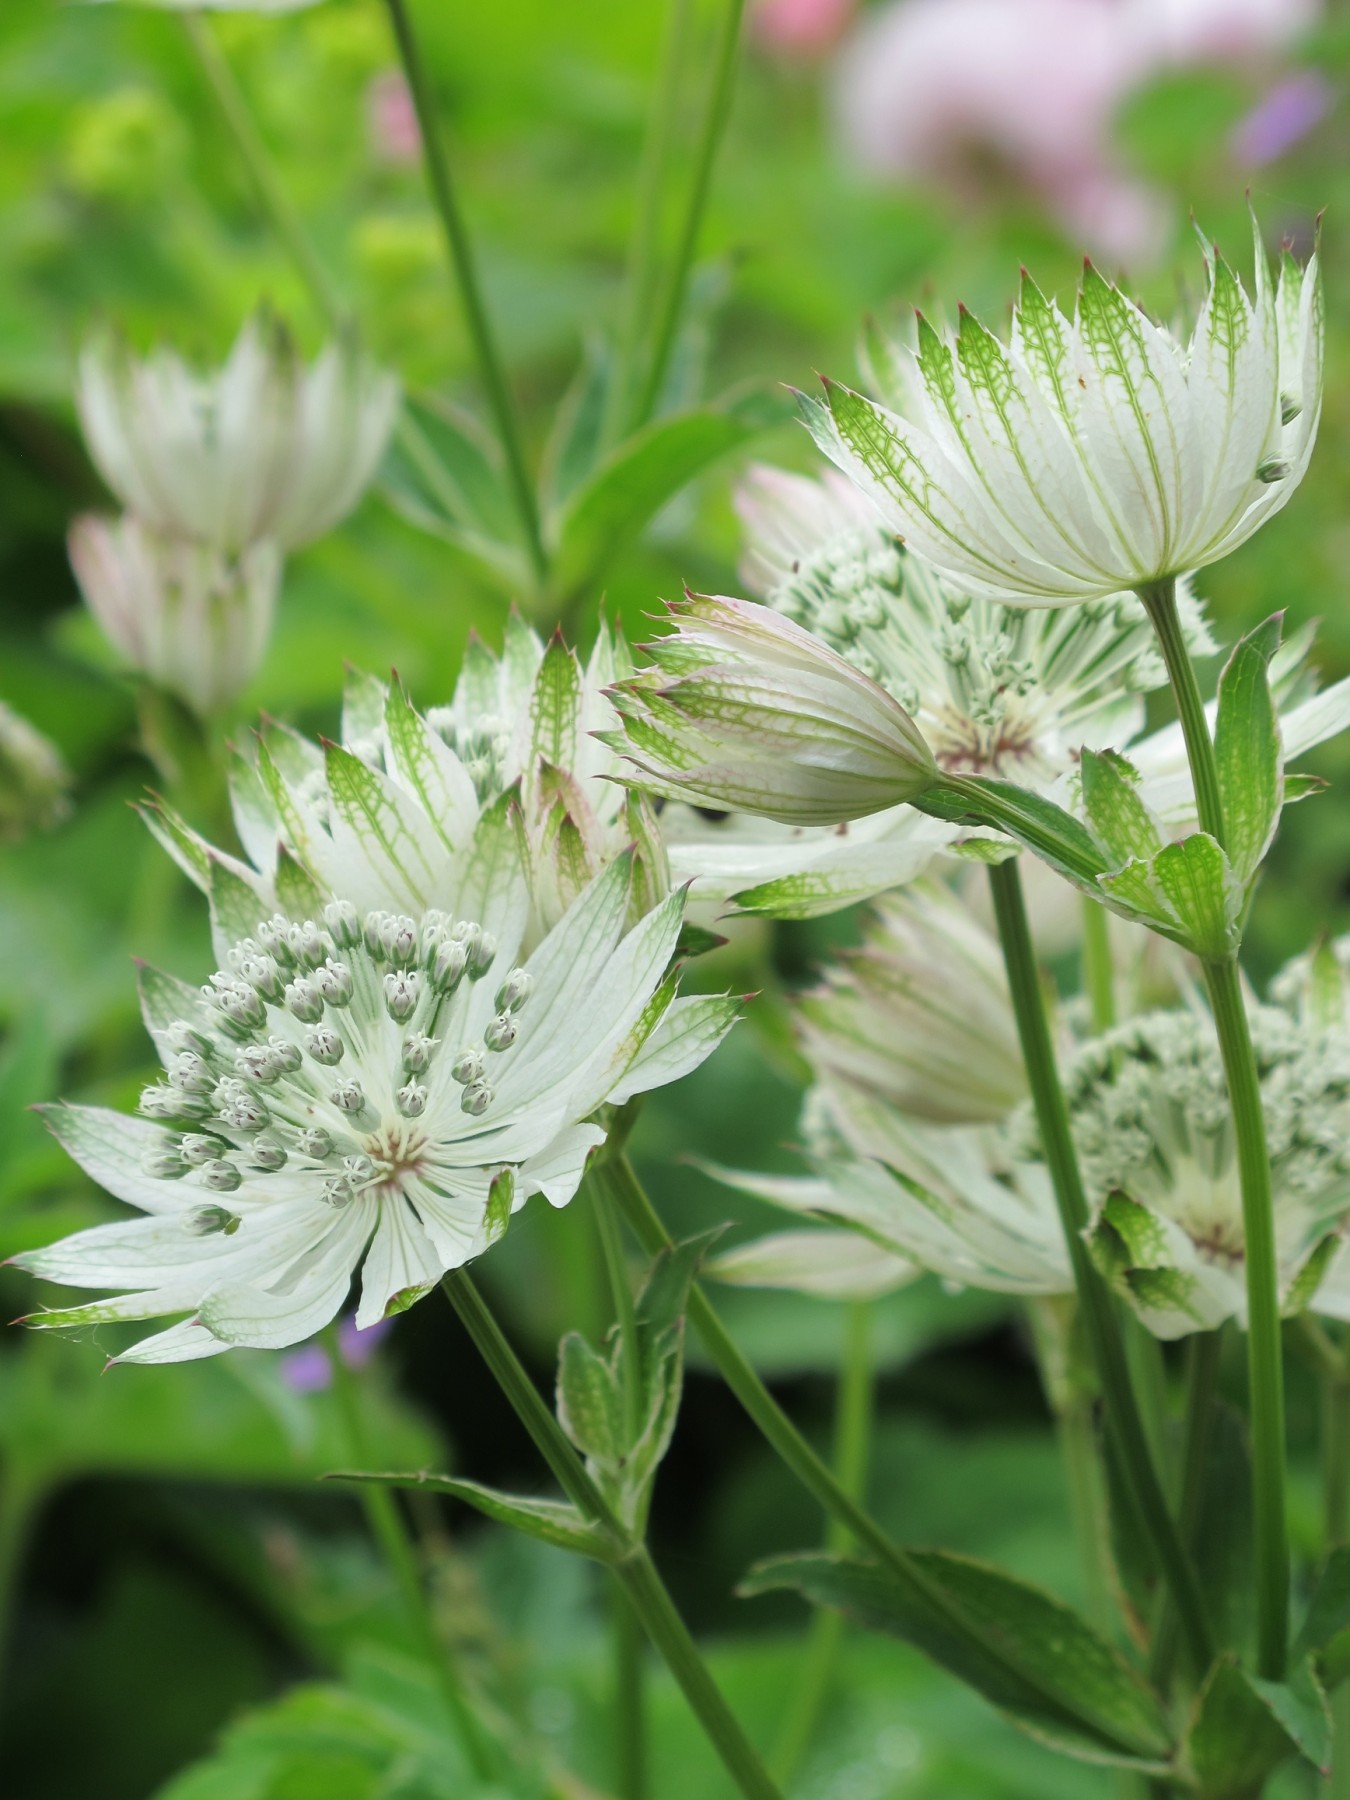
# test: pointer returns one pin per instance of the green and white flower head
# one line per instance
(1154, 1132)
(264, 449)
(1096, 454)
(1315, 986)
(388, 816)
(919, 1017)
(192, 619)
(34, 781)
(374, 1092)
(743, 710)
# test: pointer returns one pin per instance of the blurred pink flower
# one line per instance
(961, 90)
(799, 28)
(391, 119)
(308, 1370)
(1276, 123)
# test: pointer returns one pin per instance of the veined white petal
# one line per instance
(401, 1260)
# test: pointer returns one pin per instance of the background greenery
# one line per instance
(182, 1595)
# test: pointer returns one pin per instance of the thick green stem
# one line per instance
(258, 165)
(1265, 1368)
(389, 1532)
(1098, 972)
(1160, 603)
(465, 269)
(640, 274)
(1100, 1321)
(852, 1446)
(633, 1567)
(1203, 1355)
(677, 280)
(1336, 1520)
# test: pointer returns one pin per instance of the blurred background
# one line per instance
(175, 1594)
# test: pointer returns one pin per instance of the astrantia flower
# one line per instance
(264, 449)
(995, 690)
(34, 782)
(193, 619)
(1154, 1132)
(385, 817)
(376, 1093)
(745, 710)
(1085, 457)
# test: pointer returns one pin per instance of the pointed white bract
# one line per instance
(1154, 1133)
(264, 449)
(393, 815)
(744, 710)
(192, 619)
(375, 1093)
(1093, 454)
(996, 690)
(34, 781)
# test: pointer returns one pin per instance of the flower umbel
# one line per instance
(743, 709)
(1088, 456)
(377, 1093)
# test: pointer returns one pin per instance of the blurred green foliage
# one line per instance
(169, 1561)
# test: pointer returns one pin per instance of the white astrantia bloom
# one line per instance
(264, 449)
(743, 710)
(34, 781)
(1091, 455)
(1154, 1132)
(386, 816)
(996, 690)
(376, 1093)
(193, 619)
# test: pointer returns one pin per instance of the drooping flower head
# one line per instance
(1089, 456)
(34, 781)
(375, 1093)
(385, 816)
(264, 449)
(193, 619)
(1154, 1132)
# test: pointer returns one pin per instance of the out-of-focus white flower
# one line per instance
(920, 1016)
(801, 29)
(34, 781)
(386, 816)
(996, 690)
(193, 619)
(1089, 456)
(377, 1093)
(743, 709)
(1154, 1132)
(264, 449)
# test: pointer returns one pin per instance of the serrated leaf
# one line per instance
(1243, 1729)
(236, 908)
(555, 708)
(555, 1522)
(590, 1403)
(427, 765)
(1326, 1628)
(1247, 750)
(1115, 809)
(298, 894)
(1196, 880)
(384, 829)
(1023, 1651)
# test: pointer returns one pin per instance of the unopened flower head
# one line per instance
(392, 813)
(1096, 454)
(34, 781)
(1154, 1132)
(919, 1017)
(192, 619)
(263, 449)
(1315, 986)
(376, 1092)
(744, 710)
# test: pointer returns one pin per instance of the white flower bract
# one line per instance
(376, 1092)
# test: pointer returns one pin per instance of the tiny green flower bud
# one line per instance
(221, 1177)
(501, 1032)
(514, 991)
(334, 982)
(174, 1103)
(343, 922)
(258, 1062)
(274, 936)
(348, 1096)
(411, 1100)
(324, 1045)
(181, 1036)
(164, 1165)
(448, 966)
(304, 1000)
(338, 1192)
(266, 1154)
(467, 1067)
(237, 1108)
(197, 1149)
(476, 1098)
(308, 944)
(191, 1072)
(418, 1050)
(211, 1221)
(286, 1054)
(315, 1142)
(401, 993)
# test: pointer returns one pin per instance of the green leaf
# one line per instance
(636, 480)
(574, 442)
(1243, 1729)
(1303, 787)
(1196, 880)
(1325, 1632)
(1115, 810)
(1025, 1652)
(590, 1403)
(441, 473)
(1247, 749)
(236, 908)
(555, 708)
(1053, 834)
(555, 1522)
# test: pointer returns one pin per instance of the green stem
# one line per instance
(1098, 973)
(1203, 1355)
(258, 165)
(629, 1706)
(1100, 1321)
(710, 136)
(852, 1445)
(464, 267)
(640, 274)
(632, 1566)
(1160, 603)
(1336, 1517)
(1265, 1369)
(389, 1532)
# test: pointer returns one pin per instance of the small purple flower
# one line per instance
(1281, 119)
(308, 1371)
